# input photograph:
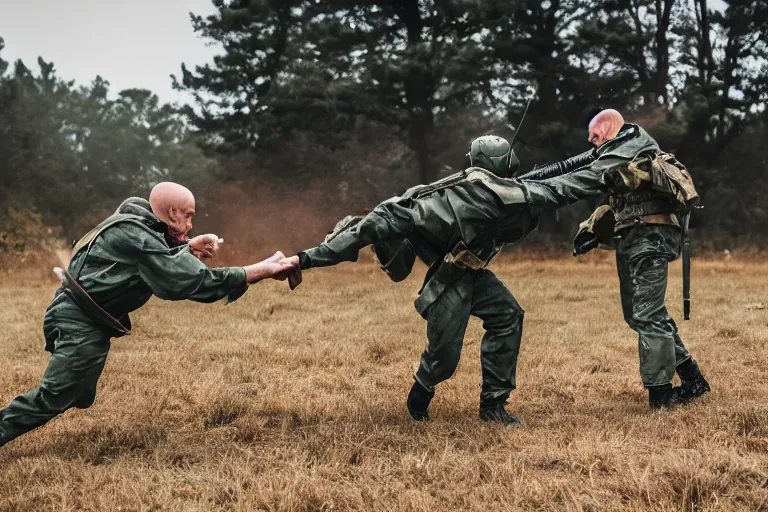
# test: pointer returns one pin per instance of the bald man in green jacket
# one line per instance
(140, 251)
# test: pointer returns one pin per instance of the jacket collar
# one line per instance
(627, 132)
(141, 208)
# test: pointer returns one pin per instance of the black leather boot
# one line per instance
(497, 413)
(418, 401)
(660, 397)
(692, 383)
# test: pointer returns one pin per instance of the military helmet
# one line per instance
(494, 154)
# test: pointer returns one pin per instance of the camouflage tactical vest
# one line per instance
(651, 184)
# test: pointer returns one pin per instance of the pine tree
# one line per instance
(319, 66)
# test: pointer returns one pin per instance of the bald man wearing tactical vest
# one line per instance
(139, 251)
(650, 196)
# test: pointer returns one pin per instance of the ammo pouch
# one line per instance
(662, 172)
(669, 175)
(596, 231)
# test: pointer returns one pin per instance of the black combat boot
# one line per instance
(660, 397)
(692, 383)
(496, 412)
(418, 401)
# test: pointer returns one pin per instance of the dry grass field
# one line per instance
(295, 401)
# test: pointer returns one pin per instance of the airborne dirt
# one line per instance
(295, 401)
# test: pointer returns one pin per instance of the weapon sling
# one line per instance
(71, 286)
(686, 240)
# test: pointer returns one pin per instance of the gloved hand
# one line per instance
(584, 243)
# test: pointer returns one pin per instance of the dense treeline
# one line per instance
(357, 100)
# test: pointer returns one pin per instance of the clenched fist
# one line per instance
(205, 247)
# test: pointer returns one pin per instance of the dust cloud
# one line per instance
(257, 219)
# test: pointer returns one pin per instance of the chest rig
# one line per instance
(481, 254)
(651, 184)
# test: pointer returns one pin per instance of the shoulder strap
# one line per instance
(420, 191)
(86, 242)
(508, 190)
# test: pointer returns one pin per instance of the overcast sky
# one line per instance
(131, 43)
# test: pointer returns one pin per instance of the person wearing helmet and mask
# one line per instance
(456, 226)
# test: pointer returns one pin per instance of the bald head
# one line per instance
(173, 204)
(605, 126)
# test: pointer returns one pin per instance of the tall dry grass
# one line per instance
(296, 402)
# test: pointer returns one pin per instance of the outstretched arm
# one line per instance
(599, 176)
(563, 190)
(386, 221)
(176, 274)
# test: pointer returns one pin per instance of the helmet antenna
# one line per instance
(525, 111)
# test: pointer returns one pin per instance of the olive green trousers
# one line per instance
(478, 293)
(642, 258)
(78, 354)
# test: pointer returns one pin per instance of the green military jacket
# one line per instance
(130, 257)
(474, 207)
(605, 176)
